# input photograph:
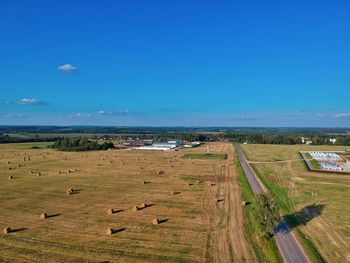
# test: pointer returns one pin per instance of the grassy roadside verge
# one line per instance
(265, 249)
(286, 206)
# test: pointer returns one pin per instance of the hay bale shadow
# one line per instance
(76, 191)
(13, 230)
(53, 215)
(119, 230)
(220, 200)
(161, 221)
(146, 206)
(116, 211)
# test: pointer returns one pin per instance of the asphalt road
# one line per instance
(286, 242)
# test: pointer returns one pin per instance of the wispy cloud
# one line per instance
(126, 112)
(26, 101)
(342, 115)
(102, 112)
(320, 115)
(246, 118)
(12, 115)
(117, 112)
(82, 115)
(67, 68)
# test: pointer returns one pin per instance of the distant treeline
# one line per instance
(11, 139)
(190, 136)
(80, 144)
(287, 139)
(241, 135)
(164, 130)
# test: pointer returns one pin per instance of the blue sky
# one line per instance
(175, 63)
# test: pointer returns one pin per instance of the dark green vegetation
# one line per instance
(267, 213)
(315, 164)
(80, 144)
(265, 248)
(215, 156)
(308, 155)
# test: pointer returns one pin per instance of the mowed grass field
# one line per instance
(76, 232)
(320, 200)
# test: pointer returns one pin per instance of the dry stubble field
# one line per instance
(322, 199)
(196, 227)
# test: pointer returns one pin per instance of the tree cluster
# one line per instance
(266, 211)
(81, 144)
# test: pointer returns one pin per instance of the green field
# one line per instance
(315, 205)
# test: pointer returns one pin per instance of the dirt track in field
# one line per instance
(227, 242)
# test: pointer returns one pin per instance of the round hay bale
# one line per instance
(243, 203)
(172, 193)
(155, 221)
(38, 174)
(143, 182)
(110, 211)
(70, 191)
(135, 208)
(43, 216)
(10, 177)
(7, 230)
(143, 205)
(59, 172)
(109, 231)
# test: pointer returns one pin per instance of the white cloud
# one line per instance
(126, 112)
(342, 115)
(83, 115)
(102, 112)
(25, 101)
(117, 112)
(67, 68)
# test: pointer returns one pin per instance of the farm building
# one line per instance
(134, 143)
(192, 144)
(162, 146)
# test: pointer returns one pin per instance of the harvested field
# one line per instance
(192, 226)
(314, 204)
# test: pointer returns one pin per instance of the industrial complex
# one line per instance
(326, 161)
